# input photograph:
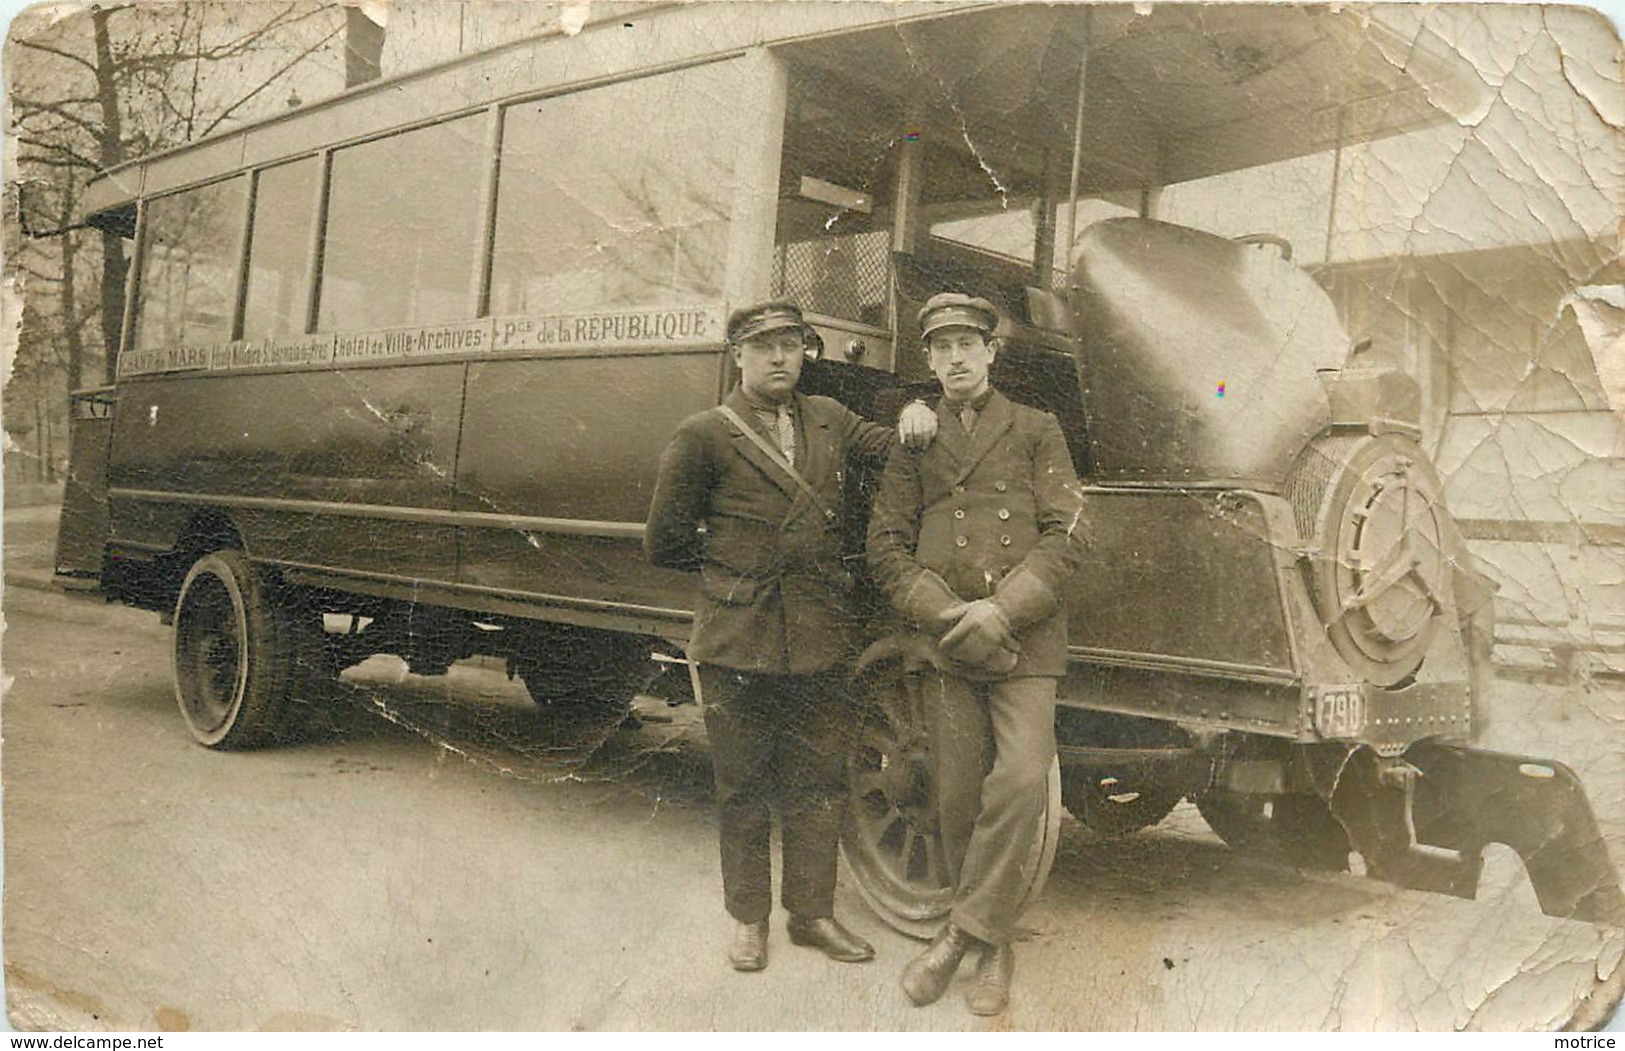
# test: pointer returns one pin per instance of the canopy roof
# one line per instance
(1178, 93)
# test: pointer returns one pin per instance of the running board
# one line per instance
(1423, 820)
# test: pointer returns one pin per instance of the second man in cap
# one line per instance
(973, 541)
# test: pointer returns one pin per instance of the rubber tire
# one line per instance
(226, 611)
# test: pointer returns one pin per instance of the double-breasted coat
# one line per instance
(994, 514)
(775, 596)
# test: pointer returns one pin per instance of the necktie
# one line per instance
(967, 417)
(785, 432)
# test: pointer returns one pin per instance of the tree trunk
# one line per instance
(40, 467)
(114, 269)
(114, 265)
(48, 446)
(73, 340)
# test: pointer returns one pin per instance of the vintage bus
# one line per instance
(410, 355)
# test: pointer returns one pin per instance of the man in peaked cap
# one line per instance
(973, 541)
(773, 623)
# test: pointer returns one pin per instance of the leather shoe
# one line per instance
(749, 949)
(826, 934)
(990, 992)
(926, 977)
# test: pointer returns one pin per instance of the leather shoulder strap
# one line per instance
(778, 460)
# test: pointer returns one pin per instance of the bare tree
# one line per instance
(109, 83)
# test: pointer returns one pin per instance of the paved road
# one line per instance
(433, 860)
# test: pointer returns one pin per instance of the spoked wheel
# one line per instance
(1112, 804)
(892, 841)
(236, 645)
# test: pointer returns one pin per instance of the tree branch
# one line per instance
(57, 162)
(76, 100)
(168, 103)
(35, 107)
(229, 110)
(70, 56)
(131, 62)
(29, 271)
(248, 41)
(57, 147)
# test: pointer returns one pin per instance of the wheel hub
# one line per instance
(219, 660)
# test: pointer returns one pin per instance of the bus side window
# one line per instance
(403, 228)
(187, 291)
(279, 248)
(617, 197)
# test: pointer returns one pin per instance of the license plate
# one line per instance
(1340, 711)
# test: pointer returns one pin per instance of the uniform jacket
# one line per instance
(774, 595)
(996, 514)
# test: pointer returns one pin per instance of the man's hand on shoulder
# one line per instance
(917, 426)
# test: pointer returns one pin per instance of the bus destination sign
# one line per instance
(467, 338)
(688, 326)
(275, 353)
(166, 359)
(670, 327)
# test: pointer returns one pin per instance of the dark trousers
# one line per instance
(992, 748)
(778, 743)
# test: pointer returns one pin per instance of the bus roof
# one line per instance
(1173, 93)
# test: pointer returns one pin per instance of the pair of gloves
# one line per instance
(979, 640)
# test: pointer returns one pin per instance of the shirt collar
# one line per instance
(763, 405)
(978, 403)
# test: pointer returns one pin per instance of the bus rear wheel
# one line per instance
(237, 643)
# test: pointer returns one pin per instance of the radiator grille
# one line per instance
(1313, 473)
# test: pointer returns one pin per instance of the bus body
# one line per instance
(411, 354)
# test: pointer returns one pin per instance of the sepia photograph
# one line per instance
(803, 515)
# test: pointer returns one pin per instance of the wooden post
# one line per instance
(132, 292)
(245, 244)
(1337, 177)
